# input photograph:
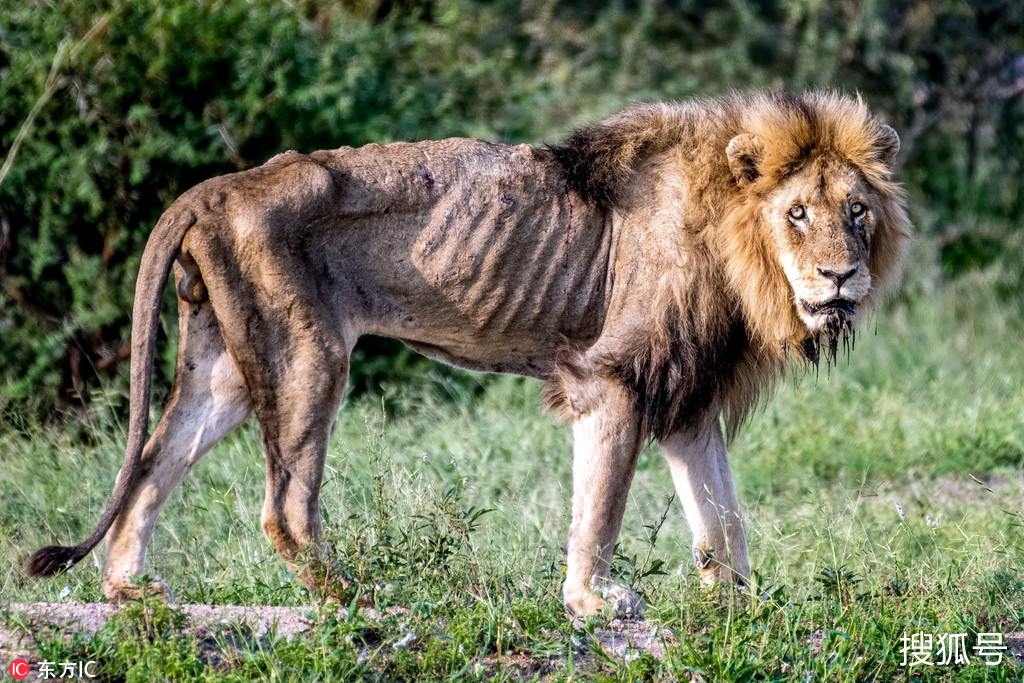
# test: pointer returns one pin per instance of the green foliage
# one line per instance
(147, 643)
(432, 547)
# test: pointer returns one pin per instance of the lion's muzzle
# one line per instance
(838, 307)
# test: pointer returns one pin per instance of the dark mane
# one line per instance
(600, 161)
(675, 386)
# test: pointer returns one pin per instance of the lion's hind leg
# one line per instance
(295, 365)
(207, 401)
(296, 424)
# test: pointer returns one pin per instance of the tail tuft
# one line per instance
(52, 559)
(161, 249)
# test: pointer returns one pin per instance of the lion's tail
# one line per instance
(161, 249)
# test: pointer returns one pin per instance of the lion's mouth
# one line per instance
(842, 307)
(834, 319)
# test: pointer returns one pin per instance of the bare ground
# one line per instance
(220, 629)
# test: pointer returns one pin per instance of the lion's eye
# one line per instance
(798, 213)
(857, 209)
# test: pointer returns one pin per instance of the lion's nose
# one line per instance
(838, 278)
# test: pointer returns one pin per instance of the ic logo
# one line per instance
(18, 669)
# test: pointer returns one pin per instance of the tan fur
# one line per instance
(649, 270)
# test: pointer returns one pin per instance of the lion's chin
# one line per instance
(833, 319)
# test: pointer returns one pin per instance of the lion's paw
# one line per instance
(584, 603)
(622, 601)
(119, 593)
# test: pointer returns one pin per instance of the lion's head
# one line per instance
(816, 230)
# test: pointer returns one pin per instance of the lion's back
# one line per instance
(470, 250)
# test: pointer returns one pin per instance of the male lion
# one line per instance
(656, 271)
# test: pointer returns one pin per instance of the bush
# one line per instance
(139, 102)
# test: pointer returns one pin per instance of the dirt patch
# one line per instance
(221, 629)
(23, 623)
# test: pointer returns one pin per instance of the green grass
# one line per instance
(457, 510)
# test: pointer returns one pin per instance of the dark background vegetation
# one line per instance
(108, 111)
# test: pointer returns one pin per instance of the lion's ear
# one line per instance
(888, 145)
(745, 152)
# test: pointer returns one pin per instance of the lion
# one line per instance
(658, 271)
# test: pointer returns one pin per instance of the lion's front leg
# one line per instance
(700, 471)
(606, 443)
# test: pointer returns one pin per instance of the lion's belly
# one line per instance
(492, 293)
